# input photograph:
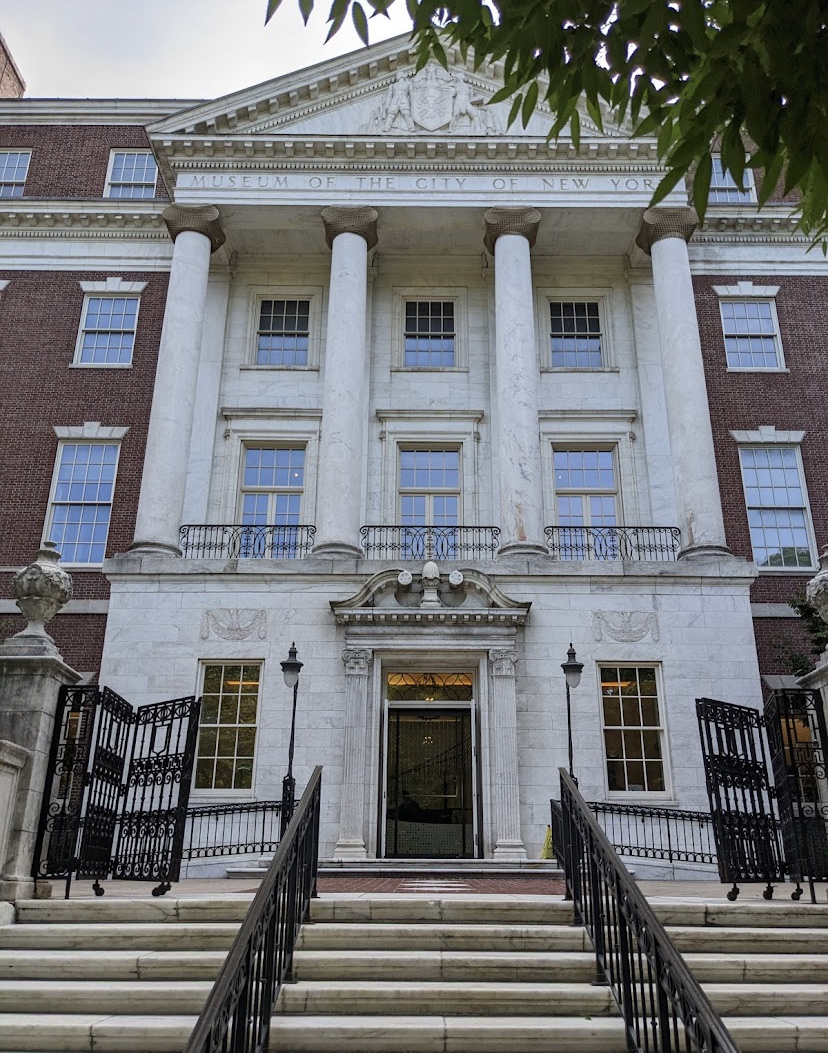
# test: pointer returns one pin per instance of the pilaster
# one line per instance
(351, 843)
(504, 769)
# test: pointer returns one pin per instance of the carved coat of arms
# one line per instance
(431, 98)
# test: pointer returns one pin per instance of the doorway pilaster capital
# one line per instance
(503, 662)
(357, 662)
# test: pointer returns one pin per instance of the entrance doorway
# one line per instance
(429, 774)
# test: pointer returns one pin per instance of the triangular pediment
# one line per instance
(374, 92)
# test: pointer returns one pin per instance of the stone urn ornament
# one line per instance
(41, 589)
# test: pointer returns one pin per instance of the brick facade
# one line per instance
(70, 161)
(745, 401)
(12, 84)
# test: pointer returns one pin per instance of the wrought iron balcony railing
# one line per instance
(237, 541)
(430, 542)
(638, 543)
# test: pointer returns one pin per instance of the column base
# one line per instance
(153, 548)
(704, 552)
(350, 850)
(522, 548)
(337, 549)
(13, 889)
(509, 852)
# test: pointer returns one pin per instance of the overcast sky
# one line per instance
(183, 49)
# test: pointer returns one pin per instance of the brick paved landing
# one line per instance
(505, 884)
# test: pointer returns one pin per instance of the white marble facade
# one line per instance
(427, 196)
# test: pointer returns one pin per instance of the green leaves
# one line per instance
(741, 78)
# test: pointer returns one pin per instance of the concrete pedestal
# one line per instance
(29, 689)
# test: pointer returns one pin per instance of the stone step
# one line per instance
(208, 937)
(109, 965)
(442, 1034)
(759, 968)
(771, 999)
(419, 908)
(98, 1032)
(745, 940)
(393, 998)
(229, 909)
(358, 936)
(116, 997)
(501, 966)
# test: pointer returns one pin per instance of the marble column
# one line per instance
(504, 767)
(197, 233)
(664, 235)
(351, 843)
(350, 233)
(510, 234)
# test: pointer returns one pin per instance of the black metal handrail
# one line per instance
(236, 1017)
(239, 541)
(633, 543)
(649, 832)
(231, 829)
(398, 541)
(663, 1006)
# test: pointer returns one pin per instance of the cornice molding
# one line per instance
(257, 152)
(91, 111)
(475, 616)
(67, 219)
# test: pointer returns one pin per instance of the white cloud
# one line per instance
(184, 49)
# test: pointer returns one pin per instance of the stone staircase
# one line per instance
(413, 974)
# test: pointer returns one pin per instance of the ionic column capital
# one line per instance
(201, 219)
(660, 223)
(361, 221)
(523, 221)
(356, 662)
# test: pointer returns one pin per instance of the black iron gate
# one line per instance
(795, 725)
(767, 832)
(741, 798)
(117, 788)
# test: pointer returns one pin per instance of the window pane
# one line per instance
(134, 174)
(227, 727)
(749, 334)
(273, 480)
(434, 476)
(284, 333)
(723, 188)
(108, 330)
(429, 334)
(14, 166)
(575, 335)
(774, 496)
(633, 750)
(82, 502)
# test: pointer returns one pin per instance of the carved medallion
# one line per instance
(624, 627)
(433, 100)
(239, 624)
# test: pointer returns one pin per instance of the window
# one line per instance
(575, 335)
(429, 337)
(723, 188)
(81, 504)
(429, 497)
(751, 334)
(107, 332)
(777, 508)
(586, 497)
(283, 333)
(227, 732)
(132, 173)
(14, 166)
(273, 480)
(633, 734)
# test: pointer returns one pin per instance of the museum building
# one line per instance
(342, 360)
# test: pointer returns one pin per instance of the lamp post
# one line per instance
(290, 671)
(572, 671)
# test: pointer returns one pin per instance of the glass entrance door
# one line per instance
(429, 782)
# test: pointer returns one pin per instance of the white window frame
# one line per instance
(16, 182)
(431, 294)
(111, 289)
(91, 434)
(273, 491)
(243, 793)
(108, 186)
(768, 438)
(746, 292)
(312, 293)
(430, 447)
(602, 296)
(591, 429)
(637, 795)
(435, 429)
(271, 427)
(590, 447)
(725, 184)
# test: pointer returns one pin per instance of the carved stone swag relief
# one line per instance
(243, 623)
(625, 627)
